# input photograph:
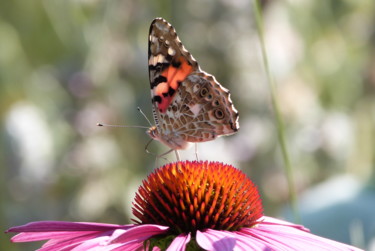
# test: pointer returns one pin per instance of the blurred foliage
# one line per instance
(66, 65)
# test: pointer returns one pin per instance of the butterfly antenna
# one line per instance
(144, 115)
(123, 126)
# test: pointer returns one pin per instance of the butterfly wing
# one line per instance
(189, 105)
(201, 111)
(169, 63)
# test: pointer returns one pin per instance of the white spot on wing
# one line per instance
(171, 51)
(161, 59)
(195, 109)
(153, 39)
(157, 59)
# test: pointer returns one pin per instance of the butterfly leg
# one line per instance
(157, 156)
(163, 154)
(146, 147)
(177, 155)
(162, 157)
(196, 151)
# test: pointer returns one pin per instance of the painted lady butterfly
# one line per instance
(189, 105)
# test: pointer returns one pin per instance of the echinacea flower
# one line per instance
(185, 206)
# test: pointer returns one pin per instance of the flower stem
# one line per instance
(278, 117)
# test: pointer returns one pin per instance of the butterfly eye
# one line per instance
(219, 114)
(204, 92)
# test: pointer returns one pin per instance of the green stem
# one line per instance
(278, 117)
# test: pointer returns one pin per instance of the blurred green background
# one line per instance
(66, 65)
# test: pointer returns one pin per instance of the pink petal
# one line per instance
(35, 236)
(90, 244)
(265, 220)
(71, 242)
(54, 226)
(83, 236)
(139, 233)
(271, 234)
(129, 247)
(100, 244)
(289, 236)
(225, 240)
(180, 242)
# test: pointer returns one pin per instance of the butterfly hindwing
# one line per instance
(201, 110)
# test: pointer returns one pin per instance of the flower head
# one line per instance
(191, 196)
(185, 205)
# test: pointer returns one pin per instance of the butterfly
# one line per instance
(189, 105)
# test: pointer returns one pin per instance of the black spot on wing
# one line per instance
(158, 80)
(158, 66)
(176, 64)
(171, 91)
(156, 99)
(169, 57)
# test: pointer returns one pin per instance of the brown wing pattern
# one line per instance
(201, 111)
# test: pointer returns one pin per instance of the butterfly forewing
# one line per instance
(189, 105)
(169, 63)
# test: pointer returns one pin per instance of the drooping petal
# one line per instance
(271, 234)
(208, 241)
(288, 236)
(62, 234)
(40, 236)
(85, 245)
(55, 226)
(83, 236)
(69, 242)
(180, 242)
(265, 220)
(139, 233)
(215, 240)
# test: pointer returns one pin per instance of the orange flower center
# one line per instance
(189, 196)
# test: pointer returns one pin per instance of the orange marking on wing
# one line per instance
(177, 74)
(173, 75)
